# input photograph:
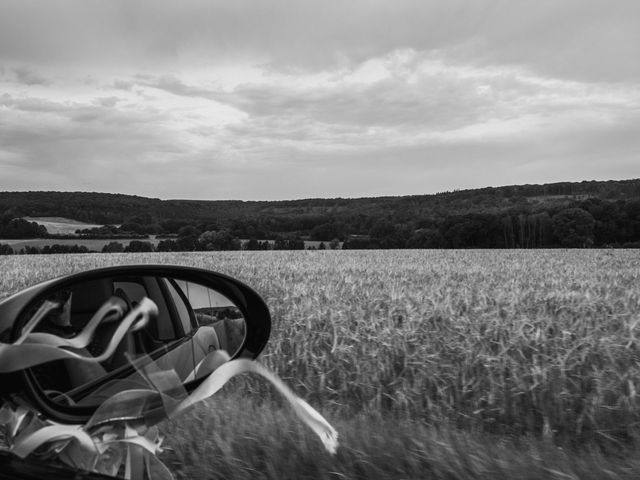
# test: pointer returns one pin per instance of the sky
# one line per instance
(288, 99)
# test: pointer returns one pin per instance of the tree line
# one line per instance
(575, 215)
(181, 244)
(594, 223)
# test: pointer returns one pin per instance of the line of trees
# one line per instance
(585, 223)
(594, 224)
(209, 241)
(578, 223)
(599, 225)
(47, 249)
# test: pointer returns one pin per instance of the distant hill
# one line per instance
(504, 211)
(108, 208)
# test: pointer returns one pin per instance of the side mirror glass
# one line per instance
(212, 309)
(188, 315)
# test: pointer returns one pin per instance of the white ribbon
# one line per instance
(33, 322)
(18, 357)
(112, 309)
(225, 372)
(25, 444)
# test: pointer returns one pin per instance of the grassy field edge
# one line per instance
(232, 436)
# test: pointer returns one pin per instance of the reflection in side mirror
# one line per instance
(192, 322)
(212, 309)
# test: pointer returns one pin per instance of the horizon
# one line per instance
(455, 190)
(291, 100)
(321, 198)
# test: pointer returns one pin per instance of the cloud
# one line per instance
(417, 101)
(175, 86)
(29, 77)
(340, 98)
(107, 101)
(66, 134)
(382, 123)
(570, 39)
(104, 144)
(578, 39)
(123, 84)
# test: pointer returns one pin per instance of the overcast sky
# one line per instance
(284, 99)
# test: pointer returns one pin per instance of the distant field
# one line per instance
(60, 225)
(511, 344)
(66, 226)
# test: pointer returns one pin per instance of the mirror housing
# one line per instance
(234, 299)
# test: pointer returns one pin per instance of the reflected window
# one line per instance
(208, 305)
(213, 310)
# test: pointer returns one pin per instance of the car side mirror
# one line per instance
(178, 317)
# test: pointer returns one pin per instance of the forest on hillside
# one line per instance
(575, 215)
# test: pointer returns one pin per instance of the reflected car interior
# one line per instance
(192, 321)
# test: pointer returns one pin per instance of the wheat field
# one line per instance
(537, 344)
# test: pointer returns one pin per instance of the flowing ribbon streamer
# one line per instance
(111, 310)
(33, 322)
(128, 405)
(27, 443)
(18, 357)
(216, 380)
(132, 437)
